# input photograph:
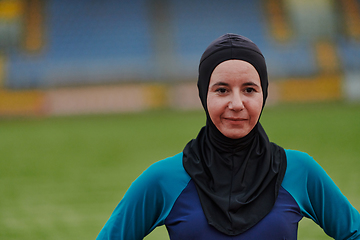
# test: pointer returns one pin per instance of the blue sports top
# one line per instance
(165, 194)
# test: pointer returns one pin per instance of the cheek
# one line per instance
(215, 108)
(256, 110)
(211, 109)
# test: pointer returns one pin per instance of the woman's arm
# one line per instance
(147, 202)
(319, 198)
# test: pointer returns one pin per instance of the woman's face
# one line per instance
(235, 98)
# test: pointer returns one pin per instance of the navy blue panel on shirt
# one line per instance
(187, 220)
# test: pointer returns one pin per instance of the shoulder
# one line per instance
(301, 167)
(166, 175)
(157, 188)
(167, 168)
(173, 163)
(300, 163)
(294, 156)
(304, 177)
(318, 197)
(148, 201)
(307, 182)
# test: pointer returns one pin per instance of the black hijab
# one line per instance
(237, 180)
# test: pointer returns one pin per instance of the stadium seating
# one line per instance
(86, 42)
(112, 41)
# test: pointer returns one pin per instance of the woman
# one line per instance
(231, 182)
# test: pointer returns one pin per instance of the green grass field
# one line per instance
(61, 177)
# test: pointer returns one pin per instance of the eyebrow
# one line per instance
(250, 84)
(221, 84)
(226, 84)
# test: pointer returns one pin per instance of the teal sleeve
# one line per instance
(319, 198)
(147, 202)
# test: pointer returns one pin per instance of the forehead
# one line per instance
(235, 70)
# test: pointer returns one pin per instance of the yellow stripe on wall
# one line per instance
(320, 88)
(156, 96)
(21, 102)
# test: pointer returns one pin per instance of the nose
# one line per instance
(236, 102)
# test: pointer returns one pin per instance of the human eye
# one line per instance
(221, 90)
(250, 90)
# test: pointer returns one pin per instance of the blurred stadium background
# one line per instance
(91, 56)
(61, 177)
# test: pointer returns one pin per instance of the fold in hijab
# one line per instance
(237, 180)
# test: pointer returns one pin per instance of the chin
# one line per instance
(234, 135)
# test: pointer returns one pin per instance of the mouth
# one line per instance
(235, 120)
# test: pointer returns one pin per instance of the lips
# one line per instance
(235, 120)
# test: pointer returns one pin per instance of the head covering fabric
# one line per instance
(237, 180)
(227, 47)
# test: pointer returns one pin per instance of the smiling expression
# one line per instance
(235, 98)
